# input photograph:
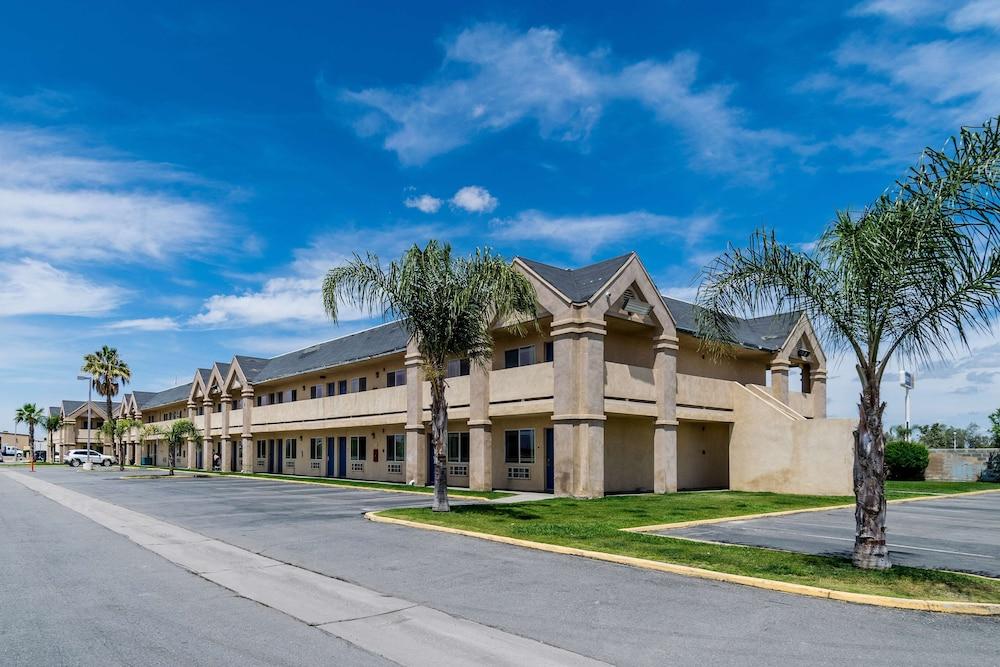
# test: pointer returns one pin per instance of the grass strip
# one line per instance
(597, 524)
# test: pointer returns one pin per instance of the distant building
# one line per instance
(18, 440)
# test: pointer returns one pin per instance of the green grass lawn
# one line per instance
(356, 483)
(596, 524)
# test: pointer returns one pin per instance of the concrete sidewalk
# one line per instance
(397, 629)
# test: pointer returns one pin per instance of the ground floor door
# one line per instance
(200, 456)
(234, 447)
(550, 459)
(342, 456)
(331, 452)
(430, 461)
(270, 456)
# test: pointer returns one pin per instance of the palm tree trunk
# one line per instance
(172, 460)
(870, 550)
(52, 449)
(439, 430)
(31, 442)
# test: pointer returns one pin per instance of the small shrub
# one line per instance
(992, 471)
(906, 460)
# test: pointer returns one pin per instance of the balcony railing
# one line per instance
(360, 404)
(522, 383)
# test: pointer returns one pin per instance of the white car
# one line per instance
(78, 457)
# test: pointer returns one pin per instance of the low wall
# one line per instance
(957, 465)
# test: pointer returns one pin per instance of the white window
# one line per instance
(315, 448)
(519, 446)
(457, 368)
(290, 448)
(359, 447)
(359, 384)
(395, 448)
(519, 356)
(458, 447)
(395, 378)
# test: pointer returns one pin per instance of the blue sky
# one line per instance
(175, 180)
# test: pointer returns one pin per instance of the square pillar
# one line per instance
(665, 429)
(225, 464)
(779, 380)
(207, 448)
(246, 438)
(818, 392)
(579, 407)
(192, 453)
(416, 451)
(480, 428)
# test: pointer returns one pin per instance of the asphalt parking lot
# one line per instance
(958, 533)
(614, 613)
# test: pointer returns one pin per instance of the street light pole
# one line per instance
(90, 392)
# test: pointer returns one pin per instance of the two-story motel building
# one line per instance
(610, 394)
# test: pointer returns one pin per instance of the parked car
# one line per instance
(40, 456)
(9, 450)
(78, 457)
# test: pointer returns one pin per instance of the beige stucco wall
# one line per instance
(628, 455)
(747, 367)
(771, 452)
(702, 455)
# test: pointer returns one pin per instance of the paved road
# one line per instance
(960, 533)
(613, 613)
(74, 593)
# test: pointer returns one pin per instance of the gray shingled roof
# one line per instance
(168, 396)
(223, 369)
(251, 366)
(54, 410)
(579, 285)
(142, 398)
(384, 339)
(72, 406)
(759, 333)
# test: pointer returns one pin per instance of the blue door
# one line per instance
(342, 456)
(330, 453)
(232, 460)
(199, 457)
(270, 455)
(430, 461)
(550, 459)
(279, 456)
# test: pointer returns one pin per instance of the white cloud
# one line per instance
(582, 235)
(474, 199)
(928, 66)
(424, 203)
(60, 201)
(687, 293)
(294, 297)
(494, 77)
(147, 324)
(33, 287)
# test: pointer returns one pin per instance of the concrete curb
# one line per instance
(429, 496)
(763, 515)
(941, 606)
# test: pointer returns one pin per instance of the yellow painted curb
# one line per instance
(188, 471)
(805, 510)
(942, 606)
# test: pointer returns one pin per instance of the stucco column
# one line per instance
(480, 428)
(207, 448)
(819, 394)
(225, 465)
(416, 449)
(779, 380)
(578, 400)
(249, 455)
(665, 429)
(192, 455)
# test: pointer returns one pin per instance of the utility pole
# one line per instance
(906, 381)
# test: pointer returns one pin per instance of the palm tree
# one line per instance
(447, 305)
(32, 415)
(116, 432)
(147, 431)
(108, 372)
(909, 276)
(181, 431)
(51, 424)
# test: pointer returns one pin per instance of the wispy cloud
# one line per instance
(494, 77)
(147, 324)
(582, 235)
(61, 201)
(931, 66)
(34, 287)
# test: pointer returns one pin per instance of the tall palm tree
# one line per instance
(51, 424)
(910, 276)
(108, 372)
(447, 304)
(32, 415)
